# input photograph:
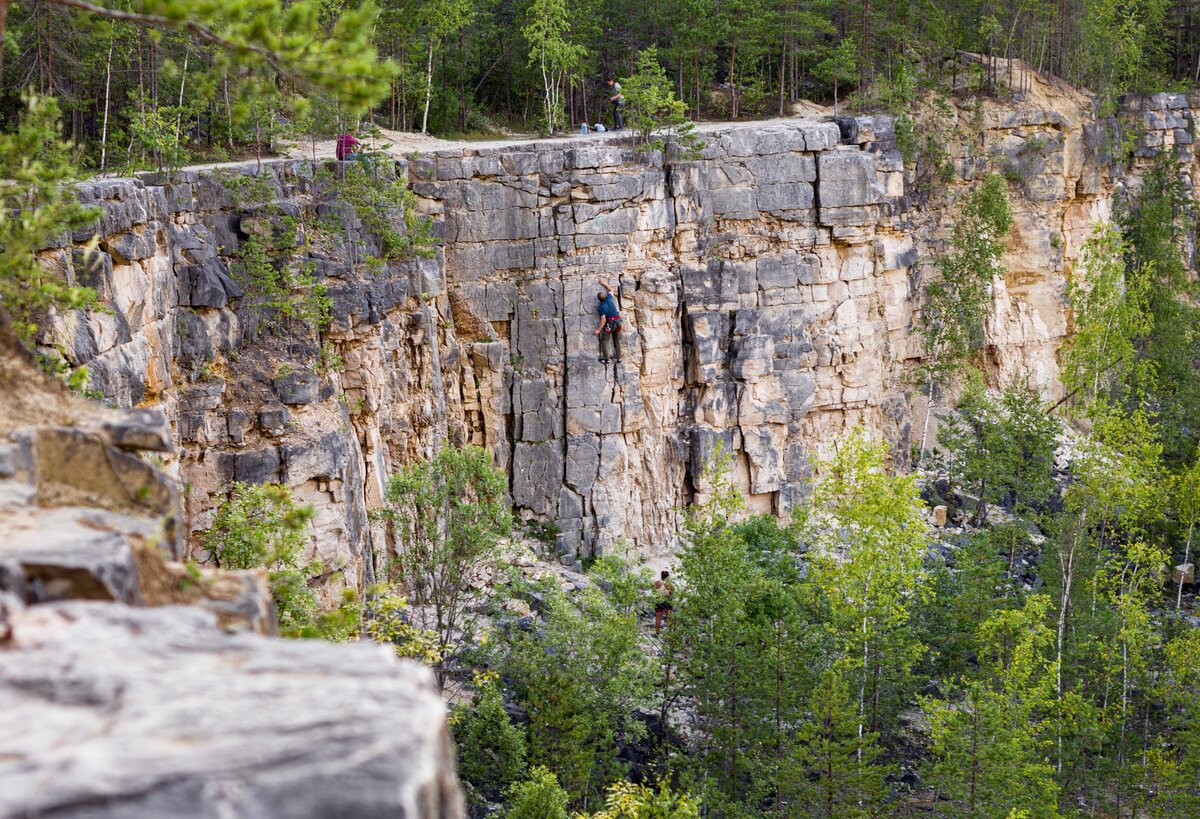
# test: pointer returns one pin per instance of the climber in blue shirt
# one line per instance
(609, 331)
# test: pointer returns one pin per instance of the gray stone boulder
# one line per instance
(111, 711)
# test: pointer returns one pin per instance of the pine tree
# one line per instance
(833, 772)
(990, 749)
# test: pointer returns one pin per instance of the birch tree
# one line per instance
(868, 540)
(548, 30)
(440, 18)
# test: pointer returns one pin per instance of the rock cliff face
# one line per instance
(769, 292)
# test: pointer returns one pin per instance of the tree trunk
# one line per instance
(733, 100)
(428, 88)
(1187, 552)
(228, 110)
(782, 75)
(107, 86)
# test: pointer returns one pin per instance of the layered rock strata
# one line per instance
(769, 292)
(112, 711)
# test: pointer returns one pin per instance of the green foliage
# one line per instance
(387, 208)
(447, 516)
(289, 293)
(581, 678)
(833, 771)
(653, 110)
(1155, 227)
(329, 360)
(1000, 451)
(386, 620)
(991, 747)
(548, 30)
(260, 525)
(154, 131)
(1168, 770)
(1111, 316)
(538, 797)
(840, 67)
(35, 210)
(868, 541)
(491, 750)
(741, 647)
(625, 800)
(957, 300)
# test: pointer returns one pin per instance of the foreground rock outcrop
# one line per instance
(112, 711)
(133, 685)
(770, 291)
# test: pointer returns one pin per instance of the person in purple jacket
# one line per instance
(347, 146)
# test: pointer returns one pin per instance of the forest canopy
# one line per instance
(205, 80)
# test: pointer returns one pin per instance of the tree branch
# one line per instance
(199, 29)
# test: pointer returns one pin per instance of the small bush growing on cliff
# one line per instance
(293, 295)
(388, 210)
(261, 525)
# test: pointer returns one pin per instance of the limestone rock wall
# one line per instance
(769, 291)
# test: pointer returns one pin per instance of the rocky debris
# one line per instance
(111, 711)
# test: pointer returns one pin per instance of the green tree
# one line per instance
(742, 652)
(1111, 315)
(257, 38)
(35, 209)
(448, 515)
(834, 772)
(956, 301)
(491, 750)
(548, 30)
(868, 541)
(1168, 772)
(581, 678)
(841, 66)
(261, 525)
(653, 109)
(440, 19)
(1002, 452)
(539, 797)
(990, 748)
(1155, 225)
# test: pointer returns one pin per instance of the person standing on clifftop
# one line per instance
(609, 331)
(347, 146)
(618, 102)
